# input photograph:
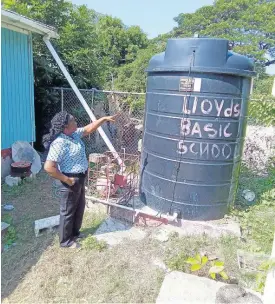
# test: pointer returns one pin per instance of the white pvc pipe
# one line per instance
(81, 98)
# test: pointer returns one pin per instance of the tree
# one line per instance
(249, 25)
(91, 46)
(118, 42)
(132, 77)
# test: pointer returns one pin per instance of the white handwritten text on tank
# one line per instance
(213, 107)
(194, 128)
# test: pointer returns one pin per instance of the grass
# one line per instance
(257, 220)
(32, 200)
(91, 243)
(257, 226)
(36, 270)
(224, 249)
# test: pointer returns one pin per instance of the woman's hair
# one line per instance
(58, 123)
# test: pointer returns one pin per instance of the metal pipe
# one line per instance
(81, 98)
(104, 91)
(135, 211)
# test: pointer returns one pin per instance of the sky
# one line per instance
(153, 16)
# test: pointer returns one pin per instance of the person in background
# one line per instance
(67, 162)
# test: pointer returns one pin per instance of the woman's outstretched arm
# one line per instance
(90, 128)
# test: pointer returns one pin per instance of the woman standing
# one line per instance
(67, 162)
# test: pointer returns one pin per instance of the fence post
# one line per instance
(62, 100)
(92, 105)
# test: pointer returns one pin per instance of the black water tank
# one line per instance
(194, 127)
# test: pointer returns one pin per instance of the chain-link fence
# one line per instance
(126, 133)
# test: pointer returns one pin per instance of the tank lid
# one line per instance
(206, 55)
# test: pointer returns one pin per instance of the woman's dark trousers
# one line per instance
(71, 209)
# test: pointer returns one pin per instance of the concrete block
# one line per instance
(46, 223)
(12, 181)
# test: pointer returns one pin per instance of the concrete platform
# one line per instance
(114, 232)
(183, 288)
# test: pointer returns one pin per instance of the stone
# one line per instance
(46, 223)
(114, 232)
(160, 264)
(231, 294)
(180, 287)
(8, 207)
(12, 181)
(162, 235)
(248, 195)
(4, 226)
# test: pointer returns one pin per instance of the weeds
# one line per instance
(264, 268)
(91, 243)
(10, 236)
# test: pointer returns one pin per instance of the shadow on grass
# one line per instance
(92, 221)
(31, 200)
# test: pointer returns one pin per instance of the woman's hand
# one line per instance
(96, 124)
(70, 181)
(111, 118)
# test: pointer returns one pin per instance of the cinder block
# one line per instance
(12, 180)
(46, 223)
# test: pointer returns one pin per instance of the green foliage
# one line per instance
(10, 236)
(217, 267)
(7, 218)
(178, 262)
(198, 263)
(132, 77)
(97, 48)
(248, 24)
(91, 243)
(263, 85)
(257, 222)
(91, 46)
(264, 268)
(262, 111)
(261, 107)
